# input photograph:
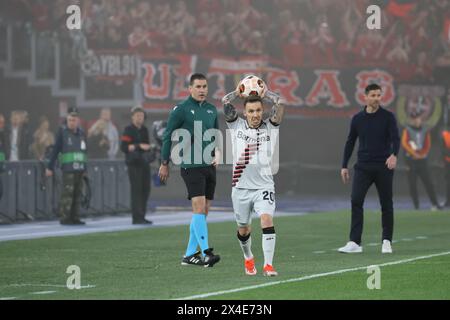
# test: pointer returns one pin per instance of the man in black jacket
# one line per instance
(379, 144)
(136, 146)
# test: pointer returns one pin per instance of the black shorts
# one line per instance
(200, 181)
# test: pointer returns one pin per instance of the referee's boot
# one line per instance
(210, 258)
(194, 260)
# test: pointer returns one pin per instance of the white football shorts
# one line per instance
(247, 201)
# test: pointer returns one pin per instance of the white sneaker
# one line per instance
(351, 247)
(386, 247)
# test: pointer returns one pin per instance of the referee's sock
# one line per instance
(201, 230)
(268, 244)
(192, 244)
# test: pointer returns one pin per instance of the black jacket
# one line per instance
(134, 136)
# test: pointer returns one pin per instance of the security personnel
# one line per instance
(71, 148)
(446, 148)
(416, 141)
(136, 146)
(2, 156)
(2, 160)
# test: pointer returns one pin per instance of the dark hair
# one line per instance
(253, 99)
(372, 87)
(137, 109)
(197, 76)
(73, 111)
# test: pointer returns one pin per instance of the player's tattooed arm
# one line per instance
(230, 112)
(272, 96)
(277, 113)
(228, 109)
(230, 97)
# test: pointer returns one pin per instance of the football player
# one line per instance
(254, 141)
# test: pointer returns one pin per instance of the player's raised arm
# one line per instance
(277, 114)
(228, 109)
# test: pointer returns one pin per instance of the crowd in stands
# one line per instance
(414, 36)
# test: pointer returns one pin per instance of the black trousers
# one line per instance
(447, 183)
(418, 169)
(140, 190)
(365, 175)
(1, 185)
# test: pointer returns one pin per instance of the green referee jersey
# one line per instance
(183, 116)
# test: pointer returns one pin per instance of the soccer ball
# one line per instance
(252, 86)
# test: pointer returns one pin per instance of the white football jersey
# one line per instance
(255, 154)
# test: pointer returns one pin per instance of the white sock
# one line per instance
(268, 245)
(247, 248)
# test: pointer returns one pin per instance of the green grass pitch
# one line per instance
(145, 263)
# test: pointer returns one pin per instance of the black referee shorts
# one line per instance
(200, 181)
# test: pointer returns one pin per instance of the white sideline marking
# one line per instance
(18, 285)
(89, 286)
(42, 292)
(319, 275)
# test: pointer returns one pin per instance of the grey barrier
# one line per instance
(29, 195)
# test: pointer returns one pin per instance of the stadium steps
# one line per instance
(30, 74)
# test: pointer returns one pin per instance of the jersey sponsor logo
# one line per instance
(241, 135)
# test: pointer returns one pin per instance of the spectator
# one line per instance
(98, 140)
(18, 137)
(3, 143)
(111, 133)
(43, 138)
(323, 45)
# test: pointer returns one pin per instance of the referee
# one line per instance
(198, 173)
(379, 144)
